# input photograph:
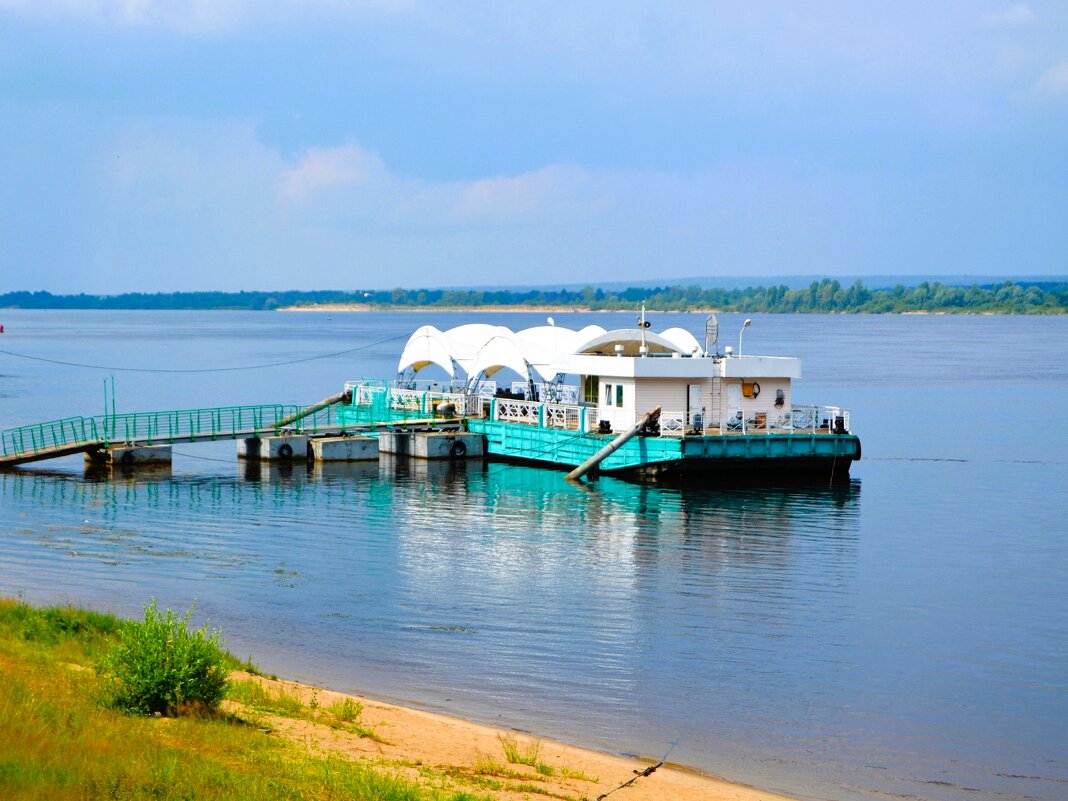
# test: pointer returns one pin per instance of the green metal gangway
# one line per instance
(71, 435)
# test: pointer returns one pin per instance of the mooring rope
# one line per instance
(641, 774)
(117, 369)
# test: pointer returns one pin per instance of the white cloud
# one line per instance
(186, 15)
(510, 196)
(1054, 80)
(1013, 16)
(194, 16)
(323, 168)
(348, 181)
(208, 205)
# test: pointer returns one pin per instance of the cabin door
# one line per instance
(734, 401)
(694, 413)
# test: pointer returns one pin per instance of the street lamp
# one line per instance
(745, 325)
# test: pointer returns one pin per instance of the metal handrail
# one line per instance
(796, 420)
(222, 422)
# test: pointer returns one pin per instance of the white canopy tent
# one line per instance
(537, 354)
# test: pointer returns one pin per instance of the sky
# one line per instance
(163, 145)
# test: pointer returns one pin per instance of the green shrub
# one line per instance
(161, 665)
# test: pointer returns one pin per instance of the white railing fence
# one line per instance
(571, 416)
(559, 415)
(672, 424)
(517, 411)
(798, 420)
(568, 417)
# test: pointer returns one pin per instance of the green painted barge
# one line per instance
(695, 457)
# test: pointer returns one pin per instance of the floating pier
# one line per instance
(647, 405)
(283, 448)
(136, 456)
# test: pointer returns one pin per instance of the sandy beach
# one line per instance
(351, 307)
(358, 307)
(425, 746)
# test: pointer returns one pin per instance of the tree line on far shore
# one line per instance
(826, 296)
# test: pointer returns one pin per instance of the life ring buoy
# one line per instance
(286, 451)
(458, 449)
(756, 389)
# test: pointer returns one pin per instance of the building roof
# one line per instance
(541, 352)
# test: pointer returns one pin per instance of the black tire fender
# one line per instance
(458, 449)
(285, 451)
(127, 457)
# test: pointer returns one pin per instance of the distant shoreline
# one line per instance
(367, 307)
(820, 297)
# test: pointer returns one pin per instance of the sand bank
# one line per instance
(350, 307)
(434, 748)
(363, 307)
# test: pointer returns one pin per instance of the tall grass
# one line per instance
(344, 714)
(519, 754)
(58, 742)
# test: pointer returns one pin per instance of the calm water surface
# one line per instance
(903, 636)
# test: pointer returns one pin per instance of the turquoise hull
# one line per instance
(801, 455)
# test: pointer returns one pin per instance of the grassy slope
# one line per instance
(57, 741)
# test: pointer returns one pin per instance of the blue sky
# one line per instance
(158, 145)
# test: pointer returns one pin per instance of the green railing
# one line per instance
(376, 402)
(224, 422)
(376, 405)
(55, 434)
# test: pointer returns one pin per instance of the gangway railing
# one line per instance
(50, 436)
(165, 427)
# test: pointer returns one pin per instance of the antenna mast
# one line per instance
(711, 333)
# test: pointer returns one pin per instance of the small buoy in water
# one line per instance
(1, 329)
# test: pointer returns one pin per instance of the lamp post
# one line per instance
(745, 325)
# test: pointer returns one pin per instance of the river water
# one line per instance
(902, 636)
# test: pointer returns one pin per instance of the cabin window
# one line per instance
(607, 395)
(589, 388)
(619, 394)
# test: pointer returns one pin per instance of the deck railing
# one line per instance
(398, 404)
(796, 420)
(377, 402)
(672, 424)
(517, 411)
(564, 416)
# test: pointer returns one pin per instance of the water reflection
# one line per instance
(468, 508)
(607, 614)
